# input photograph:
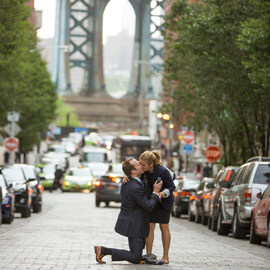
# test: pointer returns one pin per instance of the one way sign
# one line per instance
(8, 129)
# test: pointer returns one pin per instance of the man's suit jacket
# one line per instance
(134, 217)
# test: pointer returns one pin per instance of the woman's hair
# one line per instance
(151, 157)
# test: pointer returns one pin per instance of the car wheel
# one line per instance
(214, 224)
(176, 212)
(237, 231)
(26, 212)
(253, 239)
(197, 216)
(204, 218)
(97, 203)
(268, 233)
(209, 223)
(9, 219)
(0, 213)
(222, 229)
(190, 216)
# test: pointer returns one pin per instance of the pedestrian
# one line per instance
(6, 157)
(66, 164)
(134, 217)
(58, 174)
(207, 171)
(198, 172)
(151, 165)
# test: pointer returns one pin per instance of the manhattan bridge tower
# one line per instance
(78, 45)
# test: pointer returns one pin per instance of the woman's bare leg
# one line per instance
(150, 239)
(166, 240)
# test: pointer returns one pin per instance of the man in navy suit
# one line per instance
(134, 218)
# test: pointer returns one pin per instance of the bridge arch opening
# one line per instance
(118, 42)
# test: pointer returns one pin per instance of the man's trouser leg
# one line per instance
(136, 246)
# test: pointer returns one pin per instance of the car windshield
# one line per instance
(2, 181)
(13, 175)
(117, 169)
(94, 157)
(29, 173)
(57, 149)
(48, 170)
(80, 172)
(190, 184)
(262, 175)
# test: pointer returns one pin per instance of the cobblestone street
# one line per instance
(62, 236)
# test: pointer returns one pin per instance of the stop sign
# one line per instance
(188, 136)
(11, 144)
(212, 153)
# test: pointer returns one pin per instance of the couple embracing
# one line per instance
(145, 202)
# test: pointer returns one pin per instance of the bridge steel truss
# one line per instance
(78, 44)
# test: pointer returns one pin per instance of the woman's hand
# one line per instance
(161, 195)
(125, 179)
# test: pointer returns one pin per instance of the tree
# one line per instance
(213, 85)
(25, 83)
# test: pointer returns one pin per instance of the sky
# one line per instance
(118, 16)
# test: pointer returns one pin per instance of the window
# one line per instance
(247, 174)
(262, 175)
(236, 177)
(266, 193)
(240, 178)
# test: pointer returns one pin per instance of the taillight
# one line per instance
(175, 194)
(30, 191)
(185, 193)
(40, 187)
(97, 183)
(248, 195)
(191, 198)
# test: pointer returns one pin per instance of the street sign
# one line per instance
(212, 153)
(188, 136)
(187, 149)
(13, 116)
(8, 129)
(11, 144)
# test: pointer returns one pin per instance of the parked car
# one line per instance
(46, 174)
(108, 186)
(7, 201)
(35, 184)
(77, 179)
(21, 188)
(260, 218)
(185, 188)
(195, 208)
(237, 202)
(226, 175)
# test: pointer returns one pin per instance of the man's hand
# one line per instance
(157, 187)
(125, 179)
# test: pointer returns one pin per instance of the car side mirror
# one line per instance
(210, 185)
(259, 195)
(224, 184)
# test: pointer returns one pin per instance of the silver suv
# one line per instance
(236, 203)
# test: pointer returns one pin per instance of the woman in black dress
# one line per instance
(150, 162)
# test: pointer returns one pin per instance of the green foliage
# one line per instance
(25, 83)
(209, 58)
(62, 111)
